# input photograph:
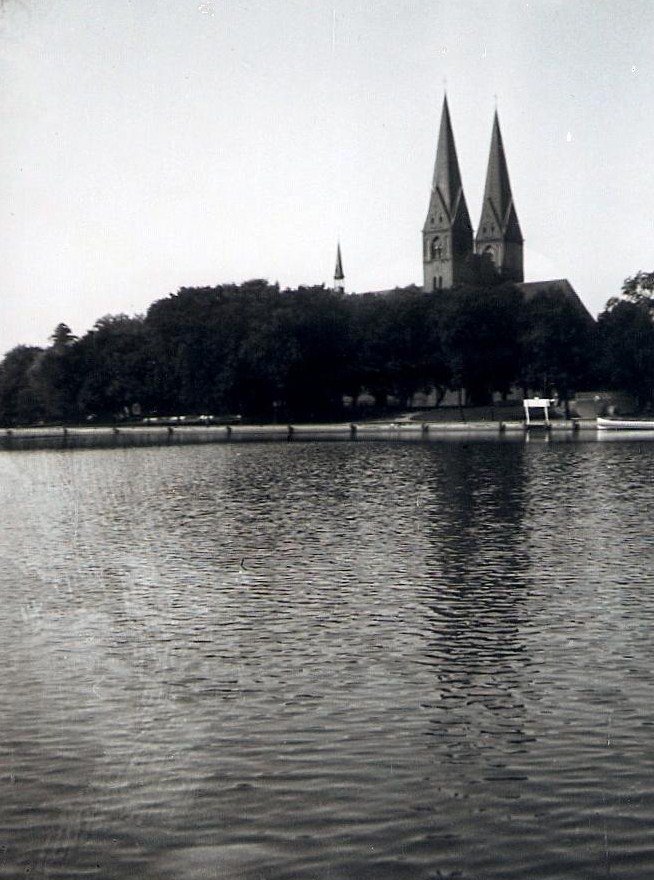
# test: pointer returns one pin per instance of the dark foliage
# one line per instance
(480, 333)
(267, 353)
(626, 349)
(558, 344)
(20, 395)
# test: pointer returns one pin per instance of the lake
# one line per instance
(328, 661)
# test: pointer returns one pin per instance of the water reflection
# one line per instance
(475, 609)
(479, 557)
(303, 660)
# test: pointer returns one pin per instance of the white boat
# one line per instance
(624, 424)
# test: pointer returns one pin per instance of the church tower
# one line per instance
(499, 236)
(447, 233)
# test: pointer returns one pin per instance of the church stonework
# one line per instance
(447, 233)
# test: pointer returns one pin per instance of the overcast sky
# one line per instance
(155, 144)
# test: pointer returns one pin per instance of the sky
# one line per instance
(150, 145)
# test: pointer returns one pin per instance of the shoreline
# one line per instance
(147, 435)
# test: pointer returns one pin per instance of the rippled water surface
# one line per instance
(328, 661)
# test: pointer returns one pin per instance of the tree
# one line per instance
(480, 333)
(395, 344)
(115, 366)
(62, 338)
(557, 337)
(626, 348)
(57, 375)
(638, 289)
(21, 401)
(315, 322)
(412, 356)
(195, 337)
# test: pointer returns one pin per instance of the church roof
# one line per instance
(498, 198)
(447, 189)
(532, 289)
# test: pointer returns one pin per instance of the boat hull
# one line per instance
(625, 424)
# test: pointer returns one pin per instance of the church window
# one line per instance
(436, 249)
(483, 230)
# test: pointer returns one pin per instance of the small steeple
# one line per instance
(447, 233)
(339, 277)
(499, 235)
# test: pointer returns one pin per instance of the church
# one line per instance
(448, 242)
(447, 235)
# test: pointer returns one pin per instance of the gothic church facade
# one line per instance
(447, 236)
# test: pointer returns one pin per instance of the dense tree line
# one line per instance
(267, 353)
(626, 340)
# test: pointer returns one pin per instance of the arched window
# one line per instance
(489, 253)
(436, 248)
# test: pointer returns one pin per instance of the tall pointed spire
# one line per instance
(499, 235)
(447, 233)
(339, 277)
(446, 189)
(447, 177)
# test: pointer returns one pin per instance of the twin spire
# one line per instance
(498, 204)
(447, 233)
(446, 188)
(448, 244)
